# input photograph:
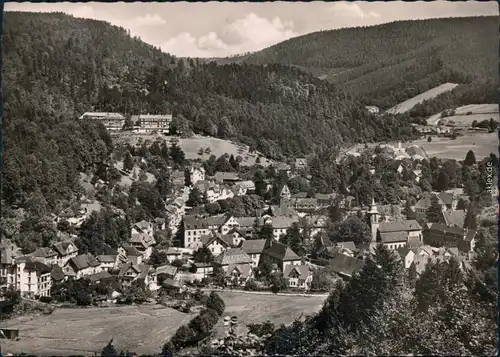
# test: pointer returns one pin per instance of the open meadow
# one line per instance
(141, 329)
(256, 308)
(464, 116)
(431, 93)
(192, 146)
(483, 144)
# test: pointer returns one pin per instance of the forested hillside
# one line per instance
(390, 63)
(57, 66)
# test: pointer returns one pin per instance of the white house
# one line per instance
(82, 265)
(33, 277)
(298, 276)
(65, 251)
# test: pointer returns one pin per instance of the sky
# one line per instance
(218, 29)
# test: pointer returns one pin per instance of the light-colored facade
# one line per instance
(153, 123)
(112, 121)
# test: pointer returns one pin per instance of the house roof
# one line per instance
(397, 226)
(301, 161)
(233, 256)
(142, 238)
(454, 218)
(106, 258)
(347, 245)
(281, 222)
(193, 222)
(243, 269)
(131, 251)
(83, 261)
(445, 197)
(225, 240)
(37, 266)
(392, 237)
(345, 265)
(445, 229)
(310, 203)
(62, 247)
(172, 283)
(249, 185)
(279, 251)
(44, 252)
(244, 221)
(99, 276)
(300, 195)
(302, 270)
(166, 269)
(253, 246)
(126, 267)
(226, 176)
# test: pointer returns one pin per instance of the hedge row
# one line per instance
(198, 328)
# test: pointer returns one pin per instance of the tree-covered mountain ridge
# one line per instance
(389, 63)
(66, 66)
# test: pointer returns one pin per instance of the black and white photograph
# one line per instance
(267, 178)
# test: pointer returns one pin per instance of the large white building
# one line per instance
(112, 121)
(149, 123)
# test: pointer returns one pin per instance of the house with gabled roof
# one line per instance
(238, 274)
(82, 265)
(298, 276)
(226, 177)
(108, 262)
(46, 255)
(395, 234)
(143, 227)
(254, 249)
(279, 254)
(143, 242)
(217, 243)
(454, 218)
(127, 253)
(300, 164)
(130, 272)
(236, 264)
(65, 251)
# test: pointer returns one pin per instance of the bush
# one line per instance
(251, 285)
(45, 299)
(216, 303)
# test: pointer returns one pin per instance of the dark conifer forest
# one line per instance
(389, 63)
(56, 67)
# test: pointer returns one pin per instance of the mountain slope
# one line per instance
(80, 65)
(390, 63)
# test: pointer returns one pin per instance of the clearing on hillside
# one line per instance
(431, 93)
(483, 144)
(197, 146)
(464, 116)
(141, 329)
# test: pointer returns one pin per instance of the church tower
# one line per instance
(374, 216)
(285, 196)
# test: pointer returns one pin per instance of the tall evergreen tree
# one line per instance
(434, 213)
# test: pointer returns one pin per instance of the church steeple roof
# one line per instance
(373, 207)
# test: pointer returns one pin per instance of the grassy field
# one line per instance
(431, 93)
(255, 308)
(464, 116)
(191, 146)
(444, 148)
(141, 329)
